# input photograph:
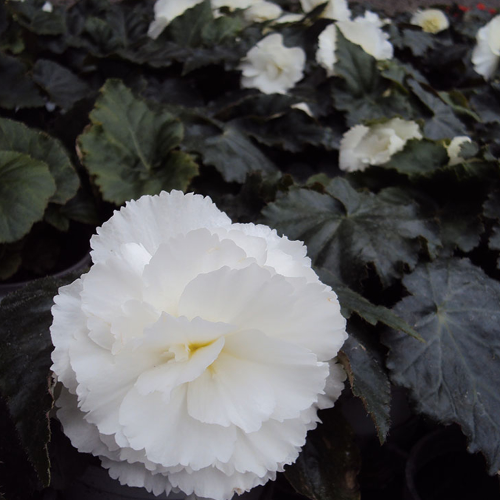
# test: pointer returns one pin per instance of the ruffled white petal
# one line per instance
(195, 353)
(486, 53)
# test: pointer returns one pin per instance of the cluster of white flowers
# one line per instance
(486, 53)
(195, 353)
(362, 146)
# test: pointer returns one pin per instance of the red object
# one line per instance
(492, 11)
(481, 6)
(463, 8)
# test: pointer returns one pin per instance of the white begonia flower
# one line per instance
(366, 31)
(263, 11)
(47, 7)
(362, 146)
(430, 20)
(271, 67)
(166, 11)
(454, 149)
(486, 53)
(327, 45)
(337, 10)
(195, 353)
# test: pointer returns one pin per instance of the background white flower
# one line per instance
(165, 11)
(47, 7)
(271, 67)
(430, 20)
(454, 149)
(362, 146)
(327, 45)
(486, 53)
(367, 32)
(335, 9)
(263, 11)
(195, 352)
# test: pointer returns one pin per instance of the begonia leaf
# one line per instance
(26, 186)
(492, 211)
(131, 148)
(345, 230)
(292, 131)
(419, 157)
(329, 461)
(190, 29)
(364, 94)
(15, 136)
(452, 377)
(63, 86)
(29, 13)
(228, 149)
(369, 382)
(440, 120)
(418, 41)
(25, 347)
(17, 89)
(486, 102)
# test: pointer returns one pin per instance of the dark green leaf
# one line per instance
(369, 382)
(329, 462)
(486, 102)
(492, 211)
(458, 103)
(452, 377)
(130, 147)
(189, 29)
(25, 189)
(352, 301)
(10, 260)
(63, 87)
(364, 94)
(460, 226)
(55, 218)
(25, 347)
(15, 136)
(418, 41)
(222, 29)
(419, 157)
(292, 131)
(29, 14)
(17, 90)
(344, 229)
(442, 123)
(228, 149)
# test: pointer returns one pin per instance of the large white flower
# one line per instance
(367, 32)
(430, 20)
(362, 146)
(271, 67)
(486, 53)
(335, 9)
(165, 11)
(195, 352)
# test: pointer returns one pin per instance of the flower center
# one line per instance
(183, 352)
(431, 25)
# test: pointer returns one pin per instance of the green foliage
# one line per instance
(369, 382)
(328, 463)
(17, 90)
(131, 149)
(25, 189)
(345, 229)
(25, 348)
(455, 306)
(15, 136)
